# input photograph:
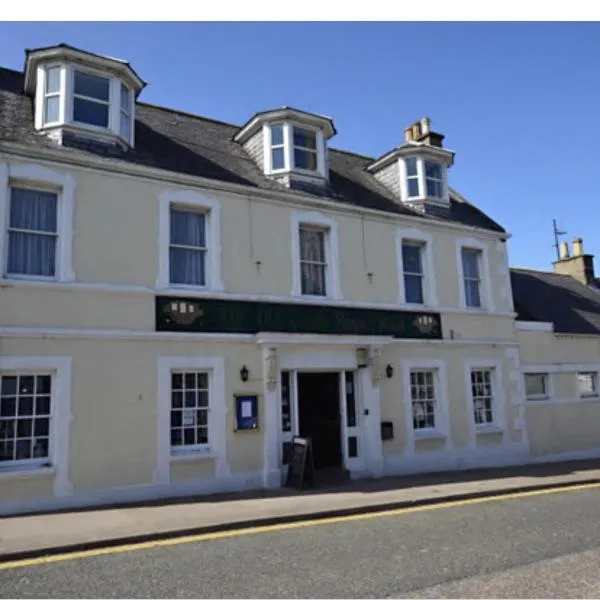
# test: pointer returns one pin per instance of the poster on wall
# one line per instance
(246, 413)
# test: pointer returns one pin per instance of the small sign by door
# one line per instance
(301, 470)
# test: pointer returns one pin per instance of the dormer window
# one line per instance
(416, 171)
(289, 145)
(83, 94)
(296, 148)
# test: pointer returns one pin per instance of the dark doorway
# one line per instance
(319, 416)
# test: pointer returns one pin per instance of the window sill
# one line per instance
(488, 429)
(537, 398)
(430, 435)
(24, 472)
(193, 454)
(24, 277)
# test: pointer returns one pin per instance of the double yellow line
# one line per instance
(204, 537)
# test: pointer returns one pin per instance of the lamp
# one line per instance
(389, 371)
(244, 373)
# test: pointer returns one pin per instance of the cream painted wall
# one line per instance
(559, 428)
(544, 347)
(113, 435)
(116, 232)
(26, 486)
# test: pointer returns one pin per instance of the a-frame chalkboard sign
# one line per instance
(301, 469)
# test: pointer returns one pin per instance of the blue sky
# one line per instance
(518, 102)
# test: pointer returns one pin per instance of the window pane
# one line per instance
(305, 159)
(31, 254)
(411, 258)
(53, 80)
(312, 245)
(91, 86)
(187, 266)
(8, 386)
(411, 166)
(277, 135)
(470, 262)
(413, 289)
(586, 383)
(433, 170)
(305, 138)
(188, 228)
(472, 296)
(434, 188)
(313, 279)
(125, 99)
(413, 188)
(535, 384)
(51, 107)
(89, 112)
(33, 210)
(277, 159)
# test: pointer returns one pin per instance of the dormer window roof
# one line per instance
(289, 144)
(82, 93)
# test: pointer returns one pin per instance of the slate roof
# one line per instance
(560, 299)
(183, 143)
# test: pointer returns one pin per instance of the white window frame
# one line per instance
(485, 292)
(128, 111)
(499, 423)
(192, 201)
(422, 180)
(46, 94)
(594, 375)
(438, 368)
(217, 417)
(33, 176)
(332, 273)
(546, 395)
(288, 150)
(59, 367)
(417, 236)
(66, 105)
(201, 250)
(323, 264)
(314, 151)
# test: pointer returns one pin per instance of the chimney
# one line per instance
(421, 132)
(580, 266)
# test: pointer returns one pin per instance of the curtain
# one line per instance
(312, 262)
(32, 232)
(188, 247)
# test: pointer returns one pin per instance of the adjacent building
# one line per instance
(181, 296)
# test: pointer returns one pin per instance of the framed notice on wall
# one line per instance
(246, 413)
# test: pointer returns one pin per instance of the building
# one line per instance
(181, 296)
(558, 329)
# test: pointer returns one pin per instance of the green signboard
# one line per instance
(238, 316)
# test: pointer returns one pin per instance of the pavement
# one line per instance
(541, 545)
(36, 535)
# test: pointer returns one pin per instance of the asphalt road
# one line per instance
(545, 546)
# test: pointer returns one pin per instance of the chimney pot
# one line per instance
(416, 129)
(408, 134)
(564, 250)
(577, 247)
(425, 125)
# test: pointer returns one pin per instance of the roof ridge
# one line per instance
(351, 153)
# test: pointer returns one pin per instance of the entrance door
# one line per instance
(319, 416)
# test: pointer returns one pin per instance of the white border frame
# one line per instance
(418, 236)
(217, 416)
(61, 417)
(32, 175)
(212, 208)
(332, 251)
(549, 386)
(442, 429)
(487, 300)
(499, 411)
